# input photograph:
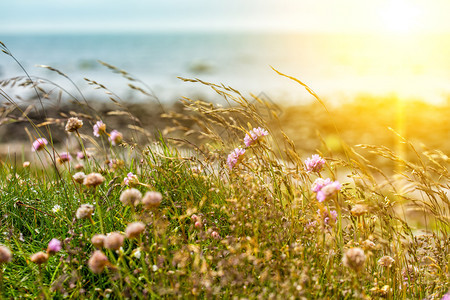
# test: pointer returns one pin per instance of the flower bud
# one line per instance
(93, 180)
(84, 211)
(98, 262)
(98, 240)
(368, 245)
(134, 230)
(354, 258)
(73, 124)
(386, 261)
(5, 255)
(79, 177)
(130, 197)
(152, 199)
(359, 210)
(114, 241)
(39, 258)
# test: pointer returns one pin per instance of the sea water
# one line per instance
(336, 67)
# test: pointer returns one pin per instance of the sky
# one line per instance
(333, 16)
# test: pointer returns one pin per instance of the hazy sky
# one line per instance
(144, 15)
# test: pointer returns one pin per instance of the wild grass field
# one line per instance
(226, 201)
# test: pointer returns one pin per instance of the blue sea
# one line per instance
(337, 67)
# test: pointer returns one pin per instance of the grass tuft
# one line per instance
(221, 203)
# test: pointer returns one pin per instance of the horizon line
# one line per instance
(70, 31)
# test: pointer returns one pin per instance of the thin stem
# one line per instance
(88, 167)
(41, 282)
(1, 282)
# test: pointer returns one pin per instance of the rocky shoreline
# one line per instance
(363, 121)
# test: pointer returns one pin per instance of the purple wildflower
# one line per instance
(234, 157)
(115, 137)
(325, 188)
(83, 155)
(99, 128)
(311, 226)
(327, 216)
(314, 163)
(130, 180)
(80, 155)
(111, 163)
(215, 235)
(409, 274)
(446, 296)
(254, 135)
(64, 157)
(328, 191)
(319, 183)
(54, 246)
(39, 144)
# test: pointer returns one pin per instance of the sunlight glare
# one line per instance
(400, 17)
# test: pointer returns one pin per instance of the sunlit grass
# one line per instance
(271, 221)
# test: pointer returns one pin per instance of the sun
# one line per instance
(400, 17)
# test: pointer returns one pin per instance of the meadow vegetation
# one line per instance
(221, 202)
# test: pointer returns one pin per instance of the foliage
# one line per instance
(256, 228)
